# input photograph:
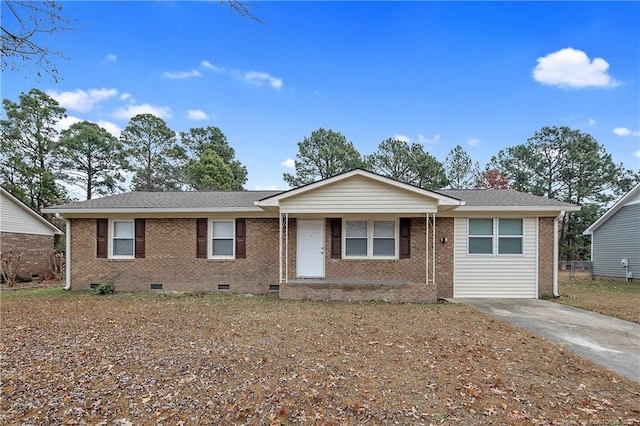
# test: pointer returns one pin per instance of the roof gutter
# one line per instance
(556, 253)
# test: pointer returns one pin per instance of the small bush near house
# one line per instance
(107, 287)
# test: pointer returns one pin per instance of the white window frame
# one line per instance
(211, 238)
(112, 237)
(496, 236)
(370, 237)
(507, 236)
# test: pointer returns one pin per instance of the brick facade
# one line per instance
(36, 252)
(171, 260)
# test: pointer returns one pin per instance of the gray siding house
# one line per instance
(616, 236)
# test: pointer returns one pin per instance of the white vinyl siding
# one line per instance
(495, 275)
(359, 195)
(18, 220)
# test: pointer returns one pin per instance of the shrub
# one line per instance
(106, 287)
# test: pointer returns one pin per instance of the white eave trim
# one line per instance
(30, 211)
(617, 206)
(149, 210)
(508, 209)
(274, 201)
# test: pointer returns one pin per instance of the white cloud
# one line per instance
(257, 78)
(197, 114)
(182, 74)
(623, 131)
(289, 163)
(132, 110)
(592, 121)
(473, 142)
(402, 138)
(428, 141)
(209, 65)
(572, 68)
(265, 187)
(66, 122)
(81, 100)
(110, 127)
(126, 97)
(111, 58)
(636, 153)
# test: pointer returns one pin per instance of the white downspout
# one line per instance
(556, 253)
(67, 255)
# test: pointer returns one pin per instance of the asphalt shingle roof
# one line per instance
(500, 198)
(173, 200)
(246, 199)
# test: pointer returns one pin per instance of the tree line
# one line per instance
(35, 159)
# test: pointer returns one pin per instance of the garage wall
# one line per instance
(492, 275)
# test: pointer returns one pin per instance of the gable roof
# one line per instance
(160, 202)
(462, 200)
(441, 199)
(634, 192)
(29, 211)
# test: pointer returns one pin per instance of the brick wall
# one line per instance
(409, 274)
(35, 252)
(545, 256)
(170, 259)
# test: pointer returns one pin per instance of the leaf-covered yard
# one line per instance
(143, 358)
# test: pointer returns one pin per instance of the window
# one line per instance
(480, 236)
(510, 236)
(508, 233)
(122, 243)
(222, 238)
(370, 238)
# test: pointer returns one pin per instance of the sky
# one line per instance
(483, 75)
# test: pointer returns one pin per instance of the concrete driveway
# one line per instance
(607, 341)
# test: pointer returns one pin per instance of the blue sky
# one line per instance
(485, 76)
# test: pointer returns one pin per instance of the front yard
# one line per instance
(614, 298)
(143, 358)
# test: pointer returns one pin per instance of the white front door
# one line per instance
(310, 252)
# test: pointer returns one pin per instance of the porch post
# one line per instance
(433, 246)
(426, 244)
(280, 246)
(286, 244)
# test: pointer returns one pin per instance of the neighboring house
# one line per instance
(616, 236)
(354, 236)
(28, 234)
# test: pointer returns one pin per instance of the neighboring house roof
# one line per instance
(477, 200)
(629, 196)
(189, 201)
(11, 222)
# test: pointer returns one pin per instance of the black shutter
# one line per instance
(405, 237)
(336, 238)
(241, 238)
(139, 238)
(102, 242)
(201, 238)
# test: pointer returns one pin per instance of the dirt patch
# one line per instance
(80, 358)
(609, 297)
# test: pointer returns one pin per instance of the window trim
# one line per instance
(112, 236)
(370, 238)
(496, 236)
(210, 235)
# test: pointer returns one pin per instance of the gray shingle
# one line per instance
(173, 200)
(500, 198)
